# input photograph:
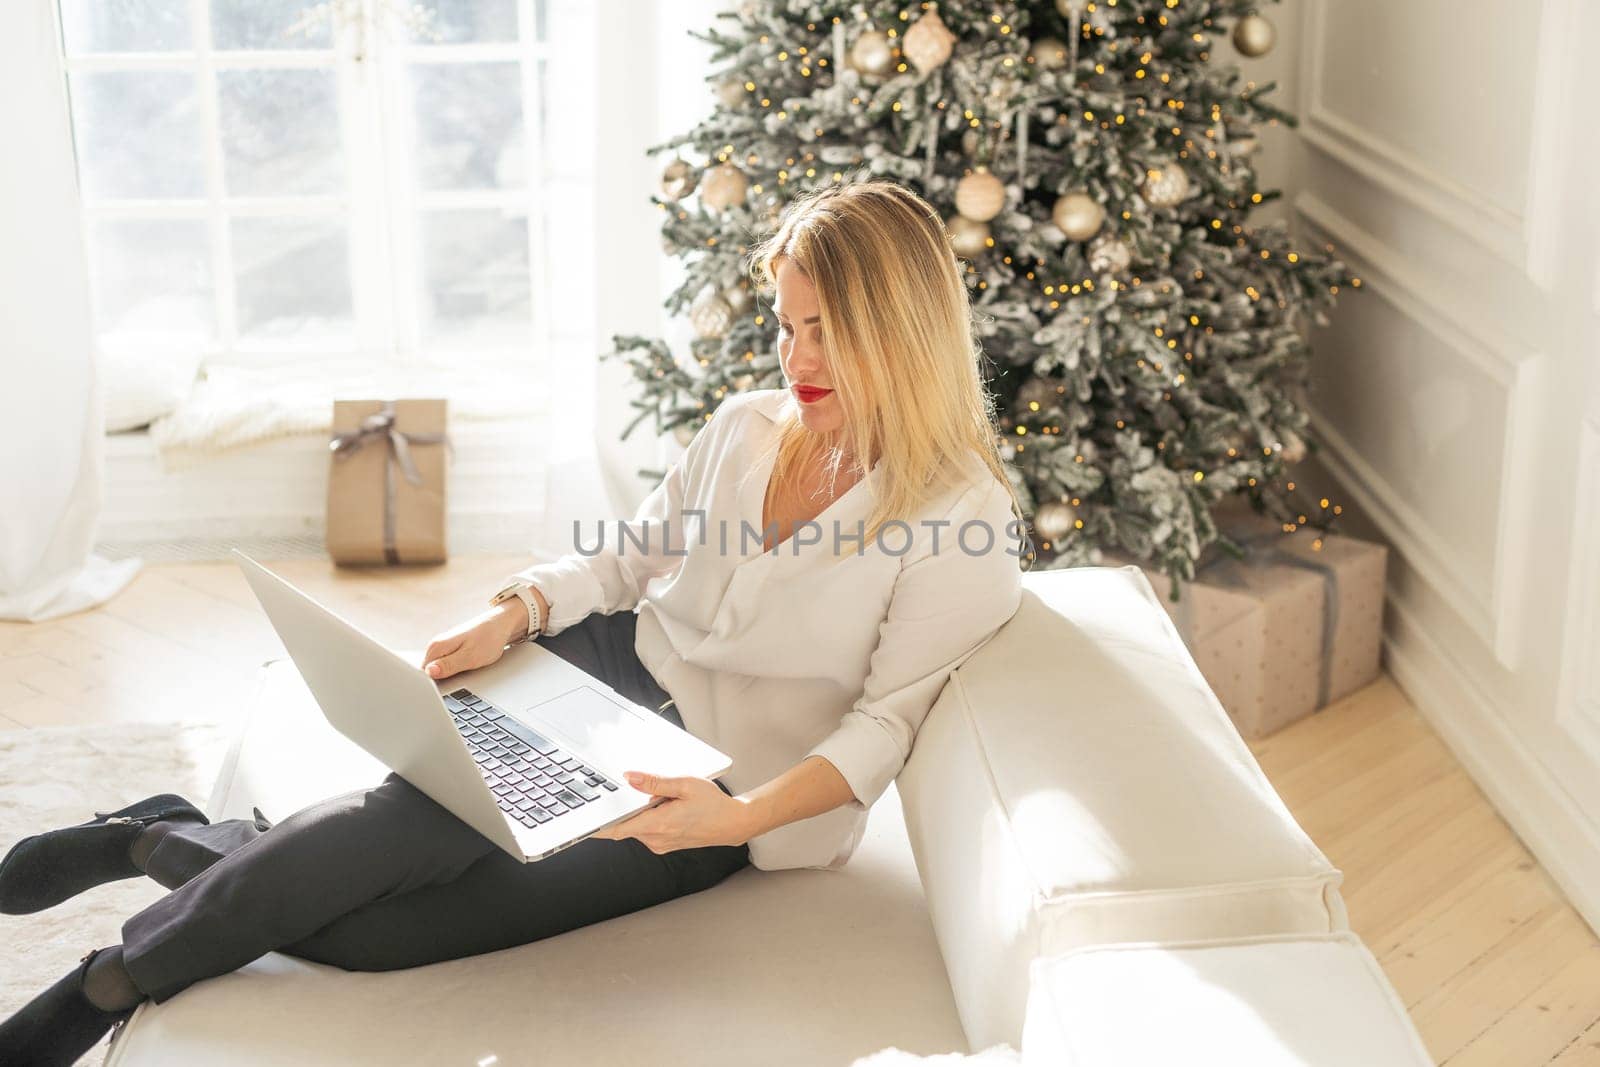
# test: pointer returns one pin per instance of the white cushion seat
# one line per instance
(778, 967)
(1273, 1001)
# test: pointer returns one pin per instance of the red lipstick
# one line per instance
(810, 394)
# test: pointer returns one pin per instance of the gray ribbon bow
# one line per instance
(1260, 548)
(382, 425)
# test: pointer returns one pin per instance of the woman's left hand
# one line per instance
(695, 812)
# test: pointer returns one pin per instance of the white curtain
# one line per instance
(51, 430)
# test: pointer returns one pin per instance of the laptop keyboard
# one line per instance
(532, 779)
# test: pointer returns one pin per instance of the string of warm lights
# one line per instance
(1198, 301)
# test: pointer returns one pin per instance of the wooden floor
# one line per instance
(1494, 965)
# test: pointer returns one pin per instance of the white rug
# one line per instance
(58, 776)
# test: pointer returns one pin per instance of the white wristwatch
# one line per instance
(523, 592)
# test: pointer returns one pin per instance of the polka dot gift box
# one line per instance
(1289, 629)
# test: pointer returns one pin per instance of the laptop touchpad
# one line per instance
(598, 725)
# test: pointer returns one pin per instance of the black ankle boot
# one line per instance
(41, 871)
(58, 1026)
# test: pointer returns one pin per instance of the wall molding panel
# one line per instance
(1578, 705)
(1503, 230)
(1491, 604)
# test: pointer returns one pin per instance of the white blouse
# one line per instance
(807, 649)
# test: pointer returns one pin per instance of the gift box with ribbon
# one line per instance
(386, 482)
(1287, 629)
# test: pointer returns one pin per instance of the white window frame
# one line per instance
(385, 230)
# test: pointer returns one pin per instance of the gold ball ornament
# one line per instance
(1048, 53)
(1054, 520)
(1109, 254)
(723, 186)
(929, 42)
(1166, 185)
(980, 195)
(678, 179)
(968, 238)
(744, 381)
(872, 53)
(1254, 36)
(1078, 215)
(1069, 9)
(710, 314)
(731, 92)
(684, 432)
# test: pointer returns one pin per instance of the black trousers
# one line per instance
(384, 878)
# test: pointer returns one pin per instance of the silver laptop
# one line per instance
(529, 751)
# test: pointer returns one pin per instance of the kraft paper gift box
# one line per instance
(1286, 630)
(386, 482)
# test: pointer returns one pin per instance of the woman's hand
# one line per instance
(477, 642)
(696, 812)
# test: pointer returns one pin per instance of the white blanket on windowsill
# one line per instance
(234, 406)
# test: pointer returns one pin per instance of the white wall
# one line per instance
(1448, 152)
(658, 92)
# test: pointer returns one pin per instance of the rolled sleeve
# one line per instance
(946, 604)
(865, 753)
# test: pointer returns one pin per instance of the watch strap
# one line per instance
(523, 591)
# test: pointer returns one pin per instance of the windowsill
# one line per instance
(274, 493)
(234, 405)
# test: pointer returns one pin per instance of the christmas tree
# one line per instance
(1093, 165)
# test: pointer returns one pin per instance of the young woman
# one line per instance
(813, 568)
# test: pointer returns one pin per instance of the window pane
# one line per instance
(151, 281)
(271, 23)
(126, 25)
(567, 128)
(469, 125)
(466, 21)
(292, 279)
(138, 134)
(475, 277)
(569, 256)
(280, 132)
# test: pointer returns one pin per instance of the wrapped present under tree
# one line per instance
(1287, 628)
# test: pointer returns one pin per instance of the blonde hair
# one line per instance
(897, 336)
